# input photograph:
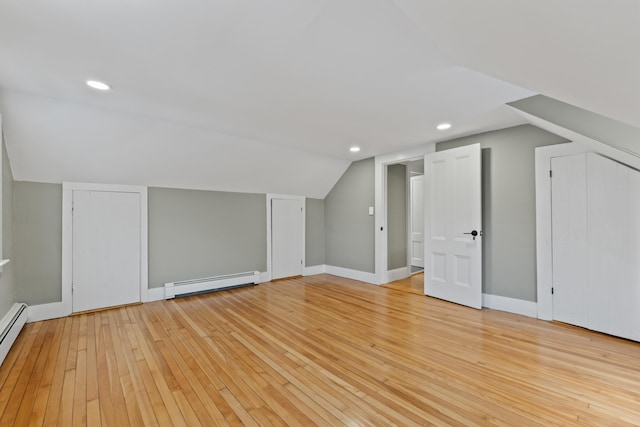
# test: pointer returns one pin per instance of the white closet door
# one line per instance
(614, 247)
(596, 244)
(106, 249)
(286, 238)
(453, 257)
(569, 223)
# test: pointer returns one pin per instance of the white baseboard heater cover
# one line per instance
(10, 327)
(186, 287)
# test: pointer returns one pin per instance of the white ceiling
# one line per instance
(244, 95)
(585, 53)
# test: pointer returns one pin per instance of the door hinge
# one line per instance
(551, 291)
(550, 174)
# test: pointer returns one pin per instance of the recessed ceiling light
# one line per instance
(98, 85)
(354, 149)
(443, 126)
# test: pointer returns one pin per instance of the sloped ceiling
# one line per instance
(244, 95)
(584, 53)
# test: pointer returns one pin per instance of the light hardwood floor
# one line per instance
(317, 350)
(413, 284)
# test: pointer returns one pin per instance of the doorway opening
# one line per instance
(393, 213)
(415, 229)
(405, 224)
(405, 218)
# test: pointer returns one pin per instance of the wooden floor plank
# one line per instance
(52, 412)
(319, 350)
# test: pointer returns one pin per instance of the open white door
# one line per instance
(453, 242)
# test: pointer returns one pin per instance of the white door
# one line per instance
(569, 238)
(106, 249)
(417, 220)
(613, 215)
(453, 255)
(596, 244)
(286, 238)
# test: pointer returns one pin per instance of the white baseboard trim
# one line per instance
(314, 269)
(352, 274)
(155, 294)
(265, 276)
(397, 274)
(57, 309)
(510, 305)
(47, 311)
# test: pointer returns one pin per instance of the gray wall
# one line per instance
(194, 234)
(7, 281)
(416, 166)
(396, 216)
(37, 247)
(349, 229)
(508, 207)
(314, 239)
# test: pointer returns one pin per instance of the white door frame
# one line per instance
(382, 274)
(544, 236)
(67, 237)
(302, 200)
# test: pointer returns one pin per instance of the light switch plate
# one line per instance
(370, 210)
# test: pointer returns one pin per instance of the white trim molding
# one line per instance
(510, 305)
(544, 254)
(302, 200)
(4, 261)
(398, 274)
(380, 172)
(314, 269)
(40, 312)
(265, 277)
(362, 276)
(68, 188)
(155, 294)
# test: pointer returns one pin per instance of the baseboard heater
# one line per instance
(208, 284)
(10, 327)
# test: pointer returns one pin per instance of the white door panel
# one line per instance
(286, 238)
(106, 249)
(613, 247)
(417, 220)
(596, 244)
(569, 224)
(453, 259)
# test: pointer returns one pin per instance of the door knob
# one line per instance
(474, 233)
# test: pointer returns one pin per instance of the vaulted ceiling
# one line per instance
(267, 96)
